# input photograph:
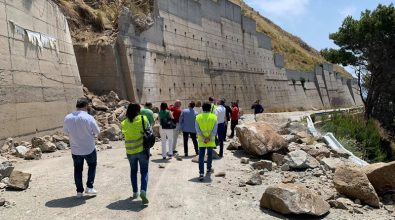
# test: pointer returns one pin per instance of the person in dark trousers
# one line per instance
(228, 116)
(206, 129)
(82, 129)
(258, 108)
(220, 112)
(133, 130)
(234, 119)
(187, 125)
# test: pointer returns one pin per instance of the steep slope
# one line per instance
(95, 22)
(298, 54)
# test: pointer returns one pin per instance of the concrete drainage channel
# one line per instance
(331, 140)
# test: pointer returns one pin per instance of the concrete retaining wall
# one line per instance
(214, 51)
(38, 86)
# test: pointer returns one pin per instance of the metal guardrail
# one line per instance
(333, 143)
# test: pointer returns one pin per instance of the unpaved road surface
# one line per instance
(174, 191)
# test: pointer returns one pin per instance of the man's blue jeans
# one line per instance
(221, 137)
(202, 153)
(135, 160)
(91, 160)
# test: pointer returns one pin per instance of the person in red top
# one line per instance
(176, 110)
(234, 119)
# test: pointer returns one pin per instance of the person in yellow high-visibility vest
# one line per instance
(206, 129)
(132, 129)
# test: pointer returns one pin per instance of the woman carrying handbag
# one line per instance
(166, 130)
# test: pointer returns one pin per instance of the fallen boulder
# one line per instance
(300, 160)
(7, 146)
(352, 182)
(234, 145)
(341, 203)
(20, 151)
(99, 105)
(255, 179)
(113, 133)
(259, 138)
(318, 151)
(332, 163)
(263, 164)
(60, 145)
(33, 154)
(58, 138)
(293, 199)
(278, 158)
(6, 168)
(44, 145)
(381, 176)
(19, 180)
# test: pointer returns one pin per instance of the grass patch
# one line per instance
(358, 135)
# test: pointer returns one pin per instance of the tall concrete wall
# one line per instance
(198, 49)
(38, 86)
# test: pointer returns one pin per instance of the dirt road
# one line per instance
(174, 191)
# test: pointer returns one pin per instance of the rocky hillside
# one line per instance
(298, 54)
(95, 22)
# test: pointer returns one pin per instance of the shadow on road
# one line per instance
(67, 202)
(285, 217)
(161, 161)
(207, 179)
(127, 205)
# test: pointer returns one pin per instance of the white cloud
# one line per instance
(283, 8)
(350, 10)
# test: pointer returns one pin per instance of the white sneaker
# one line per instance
(90, 192)
(80, 195)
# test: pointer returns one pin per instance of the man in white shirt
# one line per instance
(220, 111)
(82, 129)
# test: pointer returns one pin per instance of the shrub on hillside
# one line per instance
(360, 136)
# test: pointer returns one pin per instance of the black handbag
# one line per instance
(168, 123)
(148, 136)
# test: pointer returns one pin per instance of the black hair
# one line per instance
(192, 104)
(206, 107)
(163, 106)
(82, 103)
(222, 102)
(133, 111)
(148, 104)
(211, 99)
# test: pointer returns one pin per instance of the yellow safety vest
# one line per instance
(206, 122)
(133, 133)
(213, 107)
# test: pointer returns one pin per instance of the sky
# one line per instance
(312, 20)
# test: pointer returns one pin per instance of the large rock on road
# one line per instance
(293, 199)
(382, 176)
(352, 182)
(6, 168)
(259, 138)
(300, 160)
(19, 180)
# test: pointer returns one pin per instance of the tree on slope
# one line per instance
(368, 44)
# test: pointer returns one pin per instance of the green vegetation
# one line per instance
(360, 136)
(368, 45)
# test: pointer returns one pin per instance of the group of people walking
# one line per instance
(206, 124)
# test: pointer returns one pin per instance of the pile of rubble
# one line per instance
(315, 178)
(108, 111)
